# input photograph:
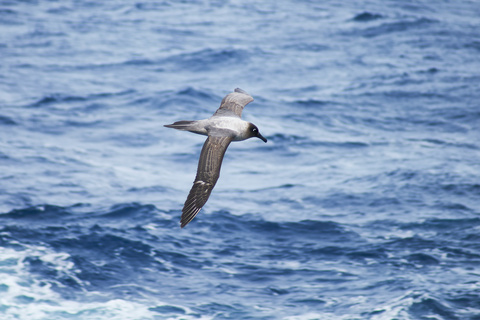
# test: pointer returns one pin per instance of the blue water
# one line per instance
(364, 203)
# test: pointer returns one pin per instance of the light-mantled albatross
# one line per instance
(222, 128)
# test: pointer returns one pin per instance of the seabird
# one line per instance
(222, 128)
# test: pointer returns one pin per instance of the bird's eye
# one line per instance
(254, 130)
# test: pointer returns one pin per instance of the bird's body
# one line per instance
(222, 128)
(236, 127)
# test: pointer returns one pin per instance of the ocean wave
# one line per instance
(104, 247)
(206, 59)
(362, 205)
(53, 99)
(367, 16)
(387, 28)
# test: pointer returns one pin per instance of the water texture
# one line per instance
(364, 203)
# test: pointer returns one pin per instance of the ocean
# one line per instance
(364, 203)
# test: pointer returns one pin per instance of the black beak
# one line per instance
(259, 136)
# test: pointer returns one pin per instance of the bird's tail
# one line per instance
(181, 125)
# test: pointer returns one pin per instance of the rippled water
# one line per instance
(364, 203)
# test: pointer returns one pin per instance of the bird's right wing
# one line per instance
(233, 103)
(207, 175)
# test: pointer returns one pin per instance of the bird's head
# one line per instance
(255, 133)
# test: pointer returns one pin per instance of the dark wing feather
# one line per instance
(207, 175)
(233, 103)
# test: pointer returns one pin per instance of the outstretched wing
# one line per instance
(207, 175)
(233, 103)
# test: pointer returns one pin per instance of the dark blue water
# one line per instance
(364, 203)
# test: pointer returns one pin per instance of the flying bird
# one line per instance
(222, 128)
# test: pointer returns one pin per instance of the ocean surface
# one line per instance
(364, 203)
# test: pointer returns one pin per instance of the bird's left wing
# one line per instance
(233, 103)
(207, 175)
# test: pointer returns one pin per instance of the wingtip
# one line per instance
(241, 91)
(183, 223)
(188, 213)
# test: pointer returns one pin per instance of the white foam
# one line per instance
(24, 296)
